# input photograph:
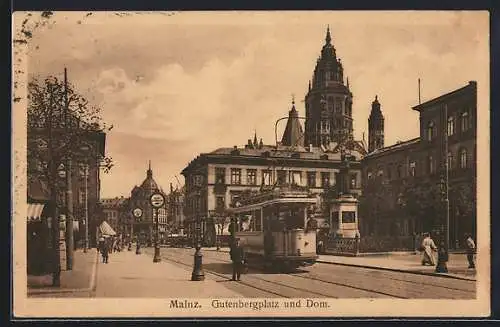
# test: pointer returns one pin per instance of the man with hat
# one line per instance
(237, 254)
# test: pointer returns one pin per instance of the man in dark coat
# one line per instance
(238, 257)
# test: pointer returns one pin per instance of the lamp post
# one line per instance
(84, 172)
(198, 274)
(64, 172)
(443, 245)
(157, 201)
(137, 212)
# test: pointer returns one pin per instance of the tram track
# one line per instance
(295, 288)
(309, 276)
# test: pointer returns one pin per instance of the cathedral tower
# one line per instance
(293, 135)
(375, 127)
(328, 100)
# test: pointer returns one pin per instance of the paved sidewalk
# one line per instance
(398, 261)
(130, 275)
(80, 279)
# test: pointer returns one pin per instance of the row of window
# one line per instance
(465, 125)
(463, 163)
(283, 177)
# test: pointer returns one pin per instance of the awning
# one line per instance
(35, 211)
(106, 229)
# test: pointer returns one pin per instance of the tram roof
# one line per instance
(274, 198)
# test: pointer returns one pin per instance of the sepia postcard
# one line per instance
(251, 164)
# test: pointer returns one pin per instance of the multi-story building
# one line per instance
(402, 183)
(113, 210)
(140, 198)
(84, 183)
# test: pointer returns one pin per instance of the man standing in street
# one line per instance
(237, 256)
(471, 249)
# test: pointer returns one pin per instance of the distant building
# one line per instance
(401, 182)
(176, 209)
(140, 198)
(113, 210)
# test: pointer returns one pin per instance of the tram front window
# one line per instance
(294, 218)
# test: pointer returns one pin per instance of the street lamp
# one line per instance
(157, 201)
(198, 274)
(137, 212)
(84, 172)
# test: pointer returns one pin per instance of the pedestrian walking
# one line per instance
(428, 247)
(237, 254)
(104, 246)
(471, 250)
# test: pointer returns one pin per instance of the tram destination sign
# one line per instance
(157, 200)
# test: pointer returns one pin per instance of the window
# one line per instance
(311, 179)
(220, 203)
(220, 175)
(413, 168)
(325, 179)
(348, 217)
(235, 176)
(463, 158)
(431, 165)
(281, 177)
(251, 176)
(451, 126)
(296, 177)
(430, 131)
(400, 171)
(389, 172)
(330, 103)
(449, 161)
(266, 177)
(353, 181)
(81, 196)
(338, 106)
(380, 172)
(465, 121)
(197, 180)
(369, 175)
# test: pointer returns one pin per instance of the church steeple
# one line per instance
(293, 134)
(328, 101)
(375, 127)
(328, 38)
(149, 173)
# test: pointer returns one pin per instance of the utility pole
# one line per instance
(56, 272)
(69, 185)
(443, 245)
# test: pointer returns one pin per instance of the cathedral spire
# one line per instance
(328, 38)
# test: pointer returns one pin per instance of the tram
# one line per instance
(275, 228)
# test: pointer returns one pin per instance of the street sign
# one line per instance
(137, 212)
(157, 200)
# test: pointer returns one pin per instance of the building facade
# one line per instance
(175, 202)
(403, 183)
(113, 210)
(145, 225)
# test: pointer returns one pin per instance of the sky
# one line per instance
(175, 85)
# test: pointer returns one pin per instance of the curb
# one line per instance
(91, 288)
(398, 270)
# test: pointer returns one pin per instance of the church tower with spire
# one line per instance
(328, 100)
(375, 127)
(293, 135)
